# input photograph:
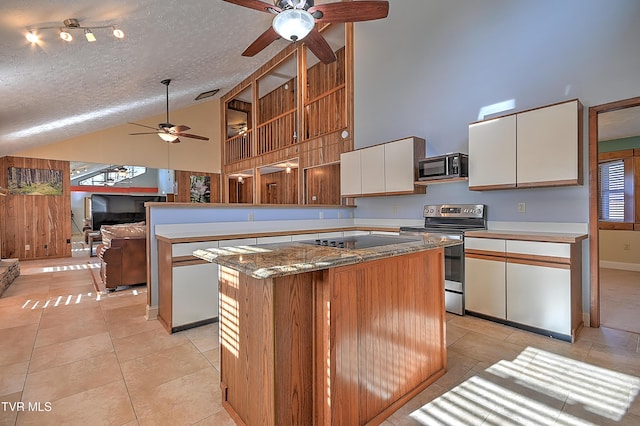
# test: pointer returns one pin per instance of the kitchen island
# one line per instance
(326, 335)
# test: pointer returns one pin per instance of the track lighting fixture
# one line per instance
(70, 25)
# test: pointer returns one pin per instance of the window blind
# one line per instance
(611, 177)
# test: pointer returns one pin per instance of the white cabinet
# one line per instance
(485, 289)
(492, 153)
(350, 169)
(195, 294)
(274, 239)
(548, 145)
(535, 148)
(399, 169)
(373, 171)
(188, 288)
(536, 285)
(386, 169)
(539, 296)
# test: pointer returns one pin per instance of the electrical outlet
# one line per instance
(27, 247)
(250, 217)
(522, 208)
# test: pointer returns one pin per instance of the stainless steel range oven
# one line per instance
(451, 221)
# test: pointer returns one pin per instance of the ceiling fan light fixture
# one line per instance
(167, 137)
(293, 24)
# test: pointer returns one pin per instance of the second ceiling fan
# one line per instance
(295, 20)
(167, 131)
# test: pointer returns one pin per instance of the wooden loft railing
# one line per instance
(279, 132)
(239, 147)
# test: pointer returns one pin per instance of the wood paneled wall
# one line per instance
(323, 183)
(279, 188)
(324, 116)
(241, 192)
(41, 223)
(274, 103)
(183, 180)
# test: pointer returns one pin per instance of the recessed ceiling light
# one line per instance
(207, 94)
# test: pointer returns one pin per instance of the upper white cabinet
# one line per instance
(492, 153)
(535, 148)
(372, 173)
(385, 169)
(549, 146)
(350, 180)
(400, 164)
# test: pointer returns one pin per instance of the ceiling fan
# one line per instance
(167, 131)
(296, 19)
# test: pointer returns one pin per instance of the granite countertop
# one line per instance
(275, 260)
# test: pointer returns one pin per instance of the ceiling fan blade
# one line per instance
(142, 125)
(319, 46)
(265, 39)
(256, 4)
(143, 133)
(179, 128)
(187, 135)
(352, 11)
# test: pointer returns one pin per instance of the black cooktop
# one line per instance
(361, 241)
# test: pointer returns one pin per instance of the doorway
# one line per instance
(594, 200)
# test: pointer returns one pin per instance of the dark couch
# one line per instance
(123, 255)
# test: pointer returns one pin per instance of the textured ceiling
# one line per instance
(57, 90)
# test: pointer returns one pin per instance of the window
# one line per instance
(113, 175)
(611, 175)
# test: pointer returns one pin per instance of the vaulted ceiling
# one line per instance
(55, 90)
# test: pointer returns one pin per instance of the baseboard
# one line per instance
(620, 265)
(151, 313)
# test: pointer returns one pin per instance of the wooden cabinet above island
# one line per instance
(324, 335)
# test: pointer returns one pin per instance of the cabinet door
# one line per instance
(492, 154)
(350, 180)
(372, 170)
(195, 293)
(548, 146)
(539, 296)
(485, 286)
(399, 169)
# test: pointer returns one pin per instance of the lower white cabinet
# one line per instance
(485, 290)
(195, 294)
(536, 285)
(539, 296)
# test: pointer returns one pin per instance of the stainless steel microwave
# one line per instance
(443, 167)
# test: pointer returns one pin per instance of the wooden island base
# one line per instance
(343, 346)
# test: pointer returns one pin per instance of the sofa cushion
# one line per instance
(123, 230)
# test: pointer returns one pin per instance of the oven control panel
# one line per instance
(455, 210)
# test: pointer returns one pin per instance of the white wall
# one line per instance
(429, 68)
(432, 65)
(620, 250)
(116, 146)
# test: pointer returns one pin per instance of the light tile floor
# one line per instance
(620, 299)
(78, 360)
